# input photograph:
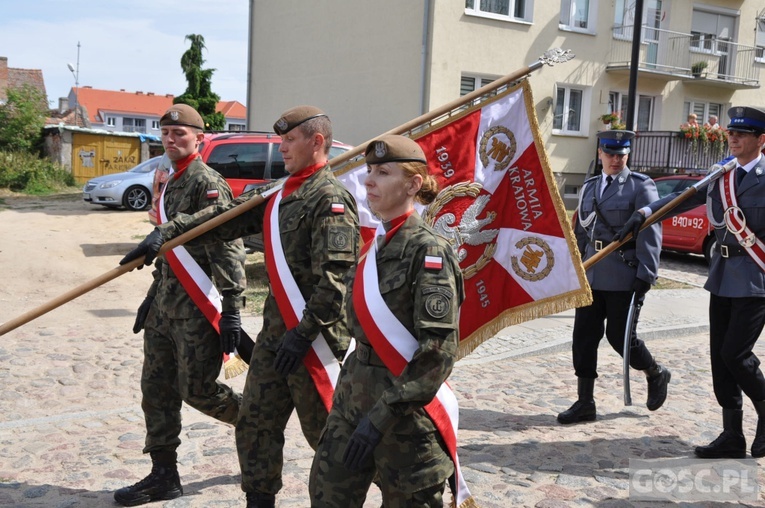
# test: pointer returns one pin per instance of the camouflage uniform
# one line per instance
(411, 461)
(320, 246)
(182, 352)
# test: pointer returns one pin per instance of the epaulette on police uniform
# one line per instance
(639, 176)
(592, 178)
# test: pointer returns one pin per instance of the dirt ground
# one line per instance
(52, 244)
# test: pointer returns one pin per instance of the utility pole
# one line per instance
(76, 74)
(637, 30)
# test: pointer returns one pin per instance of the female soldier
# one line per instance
(403, 312)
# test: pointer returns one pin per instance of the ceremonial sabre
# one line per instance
(629, 328)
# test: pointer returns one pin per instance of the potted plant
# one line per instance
(609, 118)
(698, 68)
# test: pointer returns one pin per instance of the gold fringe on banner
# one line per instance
(234, 366)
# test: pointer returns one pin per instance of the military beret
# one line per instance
(394, 148)
(182, 114)
(615, 141)
(746, 119)
(295, 116)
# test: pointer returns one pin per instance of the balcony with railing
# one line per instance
(692, 57)
(671, 152)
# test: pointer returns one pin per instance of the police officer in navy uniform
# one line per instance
(606, 203)
(736, 284)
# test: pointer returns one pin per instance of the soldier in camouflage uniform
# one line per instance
(318, 227)
(182, 350)
(377, 427)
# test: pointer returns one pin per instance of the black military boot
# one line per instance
(758, 445)
(731, 444)
(260, 500)
(583, 409)
(162, 483)
(658, 378)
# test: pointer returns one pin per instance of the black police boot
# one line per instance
(260, 500)
(583, 409)
(162, 483)
(658, 378)
(731, 444)
(758, 445)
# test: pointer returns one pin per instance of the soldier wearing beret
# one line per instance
(605, 204)
(311, 240)
(182, 350)
(378, 427)
(736, 280)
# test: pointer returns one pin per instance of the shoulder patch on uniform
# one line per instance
(437, 300)
(212, 191)
(639, 176)
(338, 208)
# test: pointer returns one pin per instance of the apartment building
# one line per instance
(122, 111)
(374, 65)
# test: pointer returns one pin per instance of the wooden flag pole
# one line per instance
(716, 172)
(112, 274)
(550, 57)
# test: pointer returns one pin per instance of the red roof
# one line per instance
(143, 103)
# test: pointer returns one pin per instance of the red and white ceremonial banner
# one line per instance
(500, 208)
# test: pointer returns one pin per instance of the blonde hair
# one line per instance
(429, 189)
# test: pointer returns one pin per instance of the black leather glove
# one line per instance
(640, 287)
(633, 225)
(230, 326)
(291, 352)
(148, 247)
(361, 446)
(143, 311)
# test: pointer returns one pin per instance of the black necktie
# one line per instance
(740, 174)
(609, 179)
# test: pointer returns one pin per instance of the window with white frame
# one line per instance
(759, 39)
(709, 27)
(703, 110)
(471, 83)
(618, 101)
(511, 10)
(111, 121)
(570, 104)
(578, 15)
(155, 124)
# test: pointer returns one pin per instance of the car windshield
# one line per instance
(146, 167)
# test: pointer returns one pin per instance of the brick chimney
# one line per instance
(3, 77)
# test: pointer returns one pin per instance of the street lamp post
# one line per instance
(76, 74)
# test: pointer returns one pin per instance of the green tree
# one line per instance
(22, 118)
(199, 94)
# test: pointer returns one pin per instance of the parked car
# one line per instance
(688, 232)
(246, 160)
(131, 189)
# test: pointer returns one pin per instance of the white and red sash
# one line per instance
(735, 220)
(319, 361)
(395, 346)
(191, 276)
(194, 280)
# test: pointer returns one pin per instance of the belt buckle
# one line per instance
(362, 353)
(724, 251)
(598, 245)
